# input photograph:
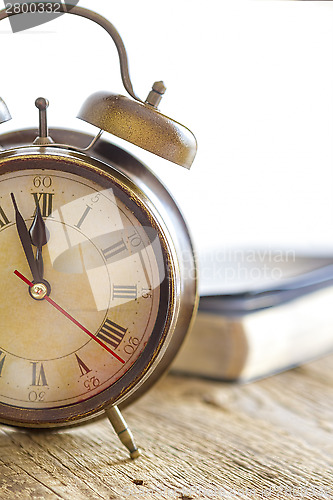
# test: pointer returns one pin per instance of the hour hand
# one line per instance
(26, 241)
(39, 237)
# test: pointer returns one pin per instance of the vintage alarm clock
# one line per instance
(98, 277)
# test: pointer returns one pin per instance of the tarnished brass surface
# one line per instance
(4, 112)
(141, 125)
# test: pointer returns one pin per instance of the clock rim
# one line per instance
(127, 192)
(187, 294)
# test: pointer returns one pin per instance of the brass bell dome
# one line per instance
(141, 124)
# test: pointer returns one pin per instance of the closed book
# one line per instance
(255, 332)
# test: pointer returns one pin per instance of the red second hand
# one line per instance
(54, 304)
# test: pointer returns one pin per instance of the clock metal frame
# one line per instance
(142, 189)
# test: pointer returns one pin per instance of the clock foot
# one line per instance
(124, 433)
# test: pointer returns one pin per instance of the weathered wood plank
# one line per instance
(200, 439)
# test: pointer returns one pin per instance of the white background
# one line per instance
(252, 79)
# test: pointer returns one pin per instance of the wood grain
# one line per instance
(270, 439)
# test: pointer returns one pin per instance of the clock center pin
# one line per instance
(38, 291)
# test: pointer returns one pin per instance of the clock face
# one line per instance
(108, 293)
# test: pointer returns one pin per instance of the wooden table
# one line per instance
(272, 439)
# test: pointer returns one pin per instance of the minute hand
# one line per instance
(26, 241)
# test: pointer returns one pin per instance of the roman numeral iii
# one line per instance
(129, 292)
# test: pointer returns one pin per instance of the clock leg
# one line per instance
(124, 433)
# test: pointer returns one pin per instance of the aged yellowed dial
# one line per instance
(102, 267)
